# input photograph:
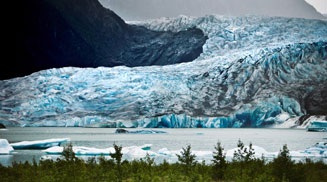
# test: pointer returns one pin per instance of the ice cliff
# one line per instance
(253, 72)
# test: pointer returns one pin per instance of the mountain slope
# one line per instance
(150, 9)
(82, 33)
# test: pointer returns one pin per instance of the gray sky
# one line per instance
(151, 9)
(320, 5)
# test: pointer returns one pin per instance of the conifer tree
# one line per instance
(187, 159)
(68, 152)
(219, 162)
(117, 156)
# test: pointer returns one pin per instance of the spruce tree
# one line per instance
(187, 159)
(68, 152)
(283, 165)
(117, 156)
(219, 162)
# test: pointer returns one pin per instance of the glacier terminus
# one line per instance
(253, 72)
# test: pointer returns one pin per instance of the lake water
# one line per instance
(200, 139)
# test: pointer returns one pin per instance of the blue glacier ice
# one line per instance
(39, 144)
(254, 72)
(318, 126)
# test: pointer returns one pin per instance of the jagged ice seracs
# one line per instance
(254, 72)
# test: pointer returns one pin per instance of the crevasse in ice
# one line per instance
(254, 72)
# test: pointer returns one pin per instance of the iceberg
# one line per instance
(80, 150)
(258, 152)
(318, 126)
(317, 150)
(5, 148)
(139, 131)
(39, 144)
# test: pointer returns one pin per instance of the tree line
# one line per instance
(243, 167)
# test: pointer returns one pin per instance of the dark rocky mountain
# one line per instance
(82, 33)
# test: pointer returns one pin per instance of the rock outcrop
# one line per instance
(82, 33)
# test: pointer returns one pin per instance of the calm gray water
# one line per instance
(200, 139)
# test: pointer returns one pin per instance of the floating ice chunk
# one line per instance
(90, 151)
(146, 147)
(318, 126)
(5, 148)
(54, 150)
(80, 150)
(202, 153)
(39, 144)
(139, 131)
(147, 131)
(258, 152)
(317, 150)
(139, 152)
(164, 151)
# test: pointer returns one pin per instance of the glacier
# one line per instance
(39, 144)
(253, 72)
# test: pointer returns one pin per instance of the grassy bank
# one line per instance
(243, 168)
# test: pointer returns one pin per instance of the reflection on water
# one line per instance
(6, 159)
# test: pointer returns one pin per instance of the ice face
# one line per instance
(5, 148)
(39, 144)
(254, 72)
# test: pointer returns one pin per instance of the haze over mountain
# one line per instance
(150, 9)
